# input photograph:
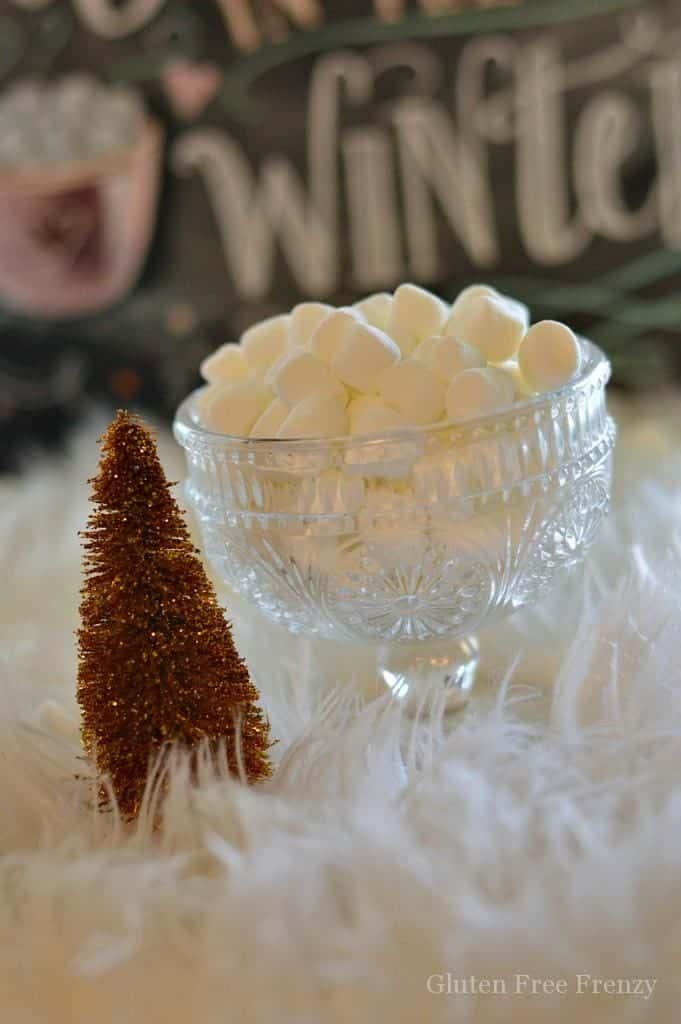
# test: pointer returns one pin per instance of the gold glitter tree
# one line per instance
(157, 663)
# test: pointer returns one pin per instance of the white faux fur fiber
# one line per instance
(541, 838)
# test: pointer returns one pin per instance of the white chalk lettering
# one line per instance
(252, 215)
(607, 134)
(418, 174)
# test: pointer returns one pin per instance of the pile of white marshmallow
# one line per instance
(388, 362)
(66, 120)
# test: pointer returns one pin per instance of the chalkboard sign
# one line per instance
(294, 149)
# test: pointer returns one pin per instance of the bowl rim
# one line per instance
(595, 371)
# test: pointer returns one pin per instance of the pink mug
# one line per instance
(74, 237)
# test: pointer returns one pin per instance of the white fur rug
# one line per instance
(526, 866)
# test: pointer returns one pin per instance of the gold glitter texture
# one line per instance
(157, 663)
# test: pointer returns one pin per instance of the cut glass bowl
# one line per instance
(414, 540)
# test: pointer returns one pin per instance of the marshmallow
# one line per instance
(376, 309)
(67, 120)
(549, 356)
(225, 364)
(104, 137)
(265, 342)
(123, 108)
(271, 420)
(331, 333)
(520, 310)
(447, 356)
(205, 397)
(77, 95)
(233, 408)
(403, 338)
(371, 415)
(424, 350)
(320, 372)
(413, 390)
(489, 324)
(416, 315)
(365, 352)
(316, 416)
(474, 291)
(25, 98)
(478, 392)
(299, 374)
(520, 386)
(305, 318)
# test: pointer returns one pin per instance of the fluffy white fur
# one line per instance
(540, 837)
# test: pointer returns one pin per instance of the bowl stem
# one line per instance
(427, 675)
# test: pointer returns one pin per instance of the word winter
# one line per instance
(415, 176)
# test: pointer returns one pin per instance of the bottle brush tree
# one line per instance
(157, 662)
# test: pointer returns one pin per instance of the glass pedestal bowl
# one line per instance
(414, 540)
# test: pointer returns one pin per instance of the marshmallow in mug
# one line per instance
(387, 363)
(66, 120)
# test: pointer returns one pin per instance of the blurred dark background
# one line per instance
(172, 171)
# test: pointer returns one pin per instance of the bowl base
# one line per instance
(429, 677)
